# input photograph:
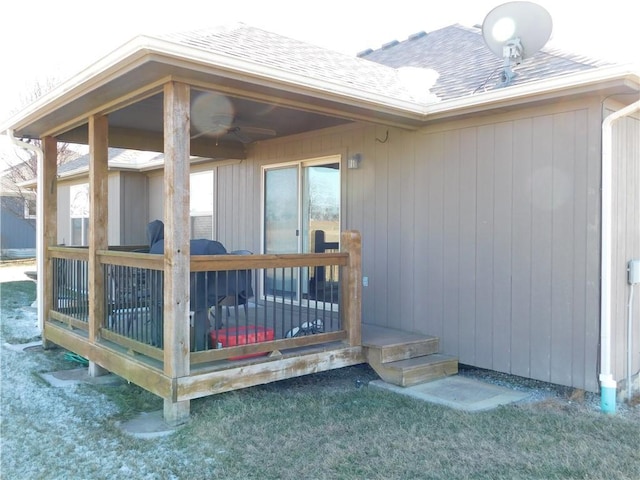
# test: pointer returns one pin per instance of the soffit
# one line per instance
(128, 88)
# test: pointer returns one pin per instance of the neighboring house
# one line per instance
(17, 220)
(130, 172)
(480, 207)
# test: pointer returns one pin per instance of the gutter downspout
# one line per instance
(39, 224)
(608, 385)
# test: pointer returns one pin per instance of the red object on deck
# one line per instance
(233, 336)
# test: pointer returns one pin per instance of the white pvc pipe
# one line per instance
(629, 342)
(39, 224)
(608, 385)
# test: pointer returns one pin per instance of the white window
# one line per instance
(29, 208)
(201, 205)
(79, 212)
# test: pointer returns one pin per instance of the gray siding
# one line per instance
(134, 208)
(16, 232)
(128, 204)
(484, 233)
(625, 240)
(64, 219)
(156, 197)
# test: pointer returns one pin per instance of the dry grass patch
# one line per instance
(325, 426)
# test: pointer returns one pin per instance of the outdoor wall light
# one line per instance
(354, 161)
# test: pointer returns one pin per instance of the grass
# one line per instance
(324, 426)
(330, 425)
(14, 296)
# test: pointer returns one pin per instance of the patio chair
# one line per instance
(323, 284)
(236, 285)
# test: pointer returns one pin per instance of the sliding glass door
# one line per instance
(301, 215)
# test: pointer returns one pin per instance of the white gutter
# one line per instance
(145, 48)
(39, 224)
(608, 385)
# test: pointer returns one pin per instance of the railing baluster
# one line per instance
(133, 295)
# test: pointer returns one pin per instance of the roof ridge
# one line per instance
(416, 36)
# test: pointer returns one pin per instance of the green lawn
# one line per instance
(330, 425)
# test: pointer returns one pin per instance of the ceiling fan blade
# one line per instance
(267, 132)
(218, 129)
(238, 133)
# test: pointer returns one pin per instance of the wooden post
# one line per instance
(98, 225)
(351, 287)
(176, 243)
(48, 192)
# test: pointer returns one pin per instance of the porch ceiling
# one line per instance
(128, 88)
(266, 99)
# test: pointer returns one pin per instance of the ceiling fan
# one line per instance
(214, 115)
(244, 133)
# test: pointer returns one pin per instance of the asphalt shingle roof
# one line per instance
(458, 54)
(464, 62)
(123, 157)
(270, 49)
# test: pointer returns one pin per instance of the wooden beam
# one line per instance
(130, 368)
(128, 259)
(48, 189)
(351, 284)
(206, 263)
(98, 224)
(243, 376)
(71, 322)
(154, 142)
(176, 244)
(264, 347)
(176, 231)
(70, 253)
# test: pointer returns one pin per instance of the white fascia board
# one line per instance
(555, 85)
(277, 76)
(274, 75)
(138, 50)
(123, 58)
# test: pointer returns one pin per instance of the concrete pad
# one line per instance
(24, 347)
(147, 426)
(144, 426)
(67, 378)
(458, 392)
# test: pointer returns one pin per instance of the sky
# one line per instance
(53, 40)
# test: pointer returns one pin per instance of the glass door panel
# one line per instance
(321, 226)
(281, 226)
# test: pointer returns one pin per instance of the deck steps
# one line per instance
(405, 359)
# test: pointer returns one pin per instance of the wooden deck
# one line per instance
(125, 313)
(304, 337)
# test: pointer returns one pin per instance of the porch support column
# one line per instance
(351, 285)
(176, 244)
(98, 226)
(48, 194)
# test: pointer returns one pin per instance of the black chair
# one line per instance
(237, 289)
(323, 285)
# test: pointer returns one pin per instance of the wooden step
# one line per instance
(384, 345)
(413, 371)
(404, 358)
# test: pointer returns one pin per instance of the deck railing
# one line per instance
(70, 289)
(242, 306)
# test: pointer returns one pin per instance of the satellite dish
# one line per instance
(514, 31)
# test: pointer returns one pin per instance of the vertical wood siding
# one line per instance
(483, 233)
(626, 240)
(134, 208)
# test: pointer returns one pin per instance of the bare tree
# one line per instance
(18, 180)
